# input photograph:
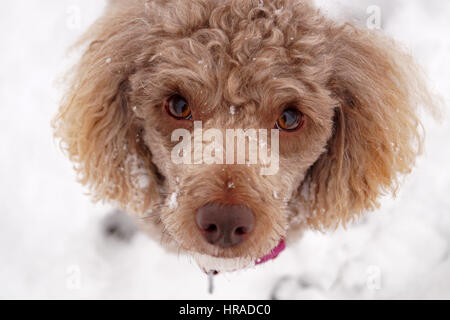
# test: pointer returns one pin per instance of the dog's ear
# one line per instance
(377, 129)
(96, 124)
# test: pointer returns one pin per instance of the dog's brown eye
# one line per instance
(290, 120)
(179, 108)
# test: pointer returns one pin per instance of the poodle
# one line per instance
(341, 100)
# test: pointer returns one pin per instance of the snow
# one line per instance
(278, 11)
(173, 200)
(51, 244)
(139, 175)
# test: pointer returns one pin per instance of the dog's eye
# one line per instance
(179, 108)
(290, 120)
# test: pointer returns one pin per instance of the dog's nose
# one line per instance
(225, 225)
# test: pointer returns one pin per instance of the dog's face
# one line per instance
(248, 80)
(339, 105)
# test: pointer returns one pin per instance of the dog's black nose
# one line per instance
(225, 225)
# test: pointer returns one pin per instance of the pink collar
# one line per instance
(272, 254)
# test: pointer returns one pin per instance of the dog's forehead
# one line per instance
(251, 92)
(253, 59)
(259, 87)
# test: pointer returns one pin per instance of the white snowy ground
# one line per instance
(50, 240)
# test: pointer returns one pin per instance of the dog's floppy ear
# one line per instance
(96, 124)
(377, 132)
